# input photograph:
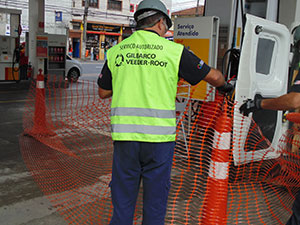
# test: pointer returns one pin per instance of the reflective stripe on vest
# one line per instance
(142, 129)
(144, 70)
(157, 113)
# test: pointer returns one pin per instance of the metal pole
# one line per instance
(36, 20)
(83, 45)
(197, 8)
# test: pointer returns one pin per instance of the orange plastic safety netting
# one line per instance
(68, 149)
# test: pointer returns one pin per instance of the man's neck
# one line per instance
(153, 29)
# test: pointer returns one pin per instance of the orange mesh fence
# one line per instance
(70, 156)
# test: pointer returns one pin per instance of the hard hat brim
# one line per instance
(137, 13)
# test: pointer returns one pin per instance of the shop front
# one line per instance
(74, 44)
(100, 37)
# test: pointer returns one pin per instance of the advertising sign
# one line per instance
(7, 30)
(102, 27)
(42, 46)
(58, 16)
(199, 35)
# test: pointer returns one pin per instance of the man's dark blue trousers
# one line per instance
(134, 162)
(295, 218)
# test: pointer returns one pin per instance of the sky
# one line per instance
(178, 5)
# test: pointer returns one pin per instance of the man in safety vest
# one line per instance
(141, 75)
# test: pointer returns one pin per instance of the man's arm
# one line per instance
(193, 70)
(215, 78)
(288, 101)
(104, 93)
(105, 83)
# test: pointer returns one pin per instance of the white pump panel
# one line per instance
(263, 70)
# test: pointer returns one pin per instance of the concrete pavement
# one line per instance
(21, 201)
(91, 69)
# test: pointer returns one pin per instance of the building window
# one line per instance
(131, 7)
(114, 5)
(93, 3)
(76, 26)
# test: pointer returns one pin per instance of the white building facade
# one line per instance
(108, 21)
(53, 24)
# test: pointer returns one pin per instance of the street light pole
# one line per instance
(197, 8)
(83, 45)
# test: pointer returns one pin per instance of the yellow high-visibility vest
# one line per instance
(144, 71)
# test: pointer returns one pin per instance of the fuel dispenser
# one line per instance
(56, 61)
(51, 55)
(10, 47)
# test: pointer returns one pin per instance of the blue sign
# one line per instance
(58, 16)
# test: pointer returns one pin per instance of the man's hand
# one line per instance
(251, 105)
(226, 88)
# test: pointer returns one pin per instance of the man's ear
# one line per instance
(162, 27)
(161, 24)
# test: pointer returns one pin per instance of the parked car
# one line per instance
(73, 69)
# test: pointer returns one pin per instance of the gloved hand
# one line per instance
(226, 88)
(251, 105)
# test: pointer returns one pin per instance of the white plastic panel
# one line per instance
(263, 70)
